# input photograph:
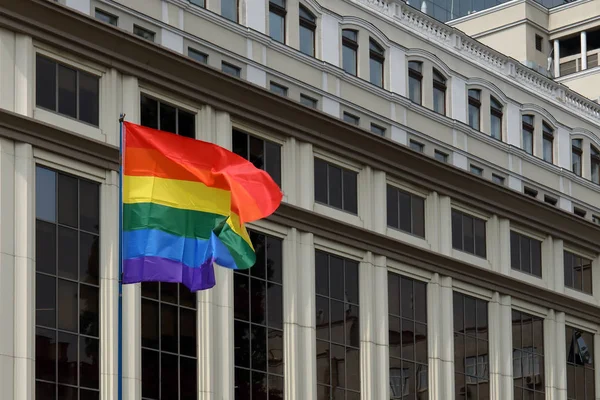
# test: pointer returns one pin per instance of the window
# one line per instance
(277, 20)
(106, 17)
(416, 146)
(550, 200)
(578, 272)
(539, 43)
(258, 323)
(415, 77)
(579, 212)
(197, 55)
(474, 108)
(580, 364)
(530, 192)
(596, 219)
(143, 33)
(230, 69)
(349, 50)
(548, 141)
(595, 161)
(376, 58)
(468, 233)
(576, 152)
(351, 119)
(308, 101)
(471, 356)
(407, 302)
(199, 3)
(476, 170)
(378, 130)
(278, 89)
(498, 179)
(528, 355)
(165, 117)
(308, 26)
(439, 92)
(67, 91)
(405, 211)
(336, 186)
(67, 344)
(229, 9)
(337, 327)
(527, 134)
(496, 118)
(264, 154)
(440, 156)
(525, 254)
(169, 358)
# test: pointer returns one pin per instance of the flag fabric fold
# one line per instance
(185, 205)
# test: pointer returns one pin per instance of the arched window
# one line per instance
(595, 162)
(474, 108)
(349, 50)
(495, 118)
(277, 13)
(376, 58)
(548, 142)
(576, 152)
(415, 77)
(439, 92)
(308, 26)
(527, 134)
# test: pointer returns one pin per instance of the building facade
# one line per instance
(437, 239)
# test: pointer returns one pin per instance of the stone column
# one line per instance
(367, 295)
(446, 340)
(583, 50)
(381, 380)
(560, 360)
(556, 58)
(23, 75)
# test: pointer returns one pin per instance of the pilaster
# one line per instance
(458, 99)
(559, 265)
(446, 340)
(381, 380)
(550, 359)
(307, 362)
(434, 335)
(291, 323)
(330, 48)
(397, 71)
(7, 70)
(24, 75)
(24, 289)
(548, 262)
(513, 125)
(433, 222)
(365, 197)
(378, 203)
(306, 174)
(445, 225)
(367, 295)
(498, 243)
(256, 15)
(500, 347)
(560, 361)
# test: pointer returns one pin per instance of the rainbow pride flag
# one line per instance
(185, 203)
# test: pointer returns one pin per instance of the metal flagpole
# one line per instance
(120, 322)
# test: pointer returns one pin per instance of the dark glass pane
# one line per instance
(150, 374)
(480, 245)
(322, 317)
(349, 59)
(89, 394)
(89, 206)
(525, 255)
(338, 364)
(376, 72)
(67, 392)
(168, 118)
(351, 277)
(482, 323)
(274, 259)
(277, 27)
(276, 387)
(418, 215)
(242, 383)
(169, 376)
(275, 351)
(89, 362)
(67, 358)
(335, 186)
(515, 252)
(258, 344)
(169, 334)
(338, 313)
(240, 144)
(274, 161)
(577, 273)
(187, 332)
(150, 289)
(538, 335)
(459, 353)
(88, 98)
(260, 387)
(241, 297)
(536, 258)
(393, 293)
(45, 354)
(320, 181)
(321, 273)
(420, 302)
(405, 211)
(307, 41)
(259, 268)
(568, 263)
(45, 194)
(258, 300)
(67, 91)
(587, 276)
(352, 369)
(406, 292)
(88, 258)
(188, 377)
(229, 9)
(336, 276)
(395, 337)
(408, 339)
(67, 305)
(168, 292)
(89, 316)
(44, 390)
(590, 389)
(470, 315)
(468, 235)
(45, 300)
(257, 152)
(67, 200)
(352, 326)
(45, 83)
(392, 207)
(458, 307)
(580, 383)
(421, 343)
(186, 124)
(187, 298)
(457, 230)
(275, 306)
(45, 247)
(149, 112)
(150, 324)
(67, 253)
(242, 344)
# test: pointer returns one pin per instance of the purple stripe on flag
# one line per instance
(158, 269)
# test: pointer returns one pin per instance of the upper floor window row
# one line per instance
(307, 25)
(577, 155)
(530, 136)
(478, 102)
(350, 52)
(438, 82)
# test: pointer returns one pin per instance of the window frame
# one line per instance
(530, 129)
(496, 112)
(266, 140)
(350, 118)
(376, 54)
(520, 236)
(144, 92)
(594, 164)
(467, 214)
(475, 102)
(379, 130)
(278, 86)
(440, 85)
(308, 25)
(351, 44)
(440, 156)
(110, 16)
(547, 137)
(280, 12)
(574, 327)
(313, 102)
(237, 11)
(192, 50)
(577, 150)
(233, 67)
(412, 195)
(140, 29)
(530, 353)
(576, 254)
(343, 168)
(417, 76)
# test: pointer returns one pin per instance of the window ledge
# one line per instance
(588, 298)
(531, 279)
(338, 214)
(471, 259)
(69, 124)
(408, 238)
